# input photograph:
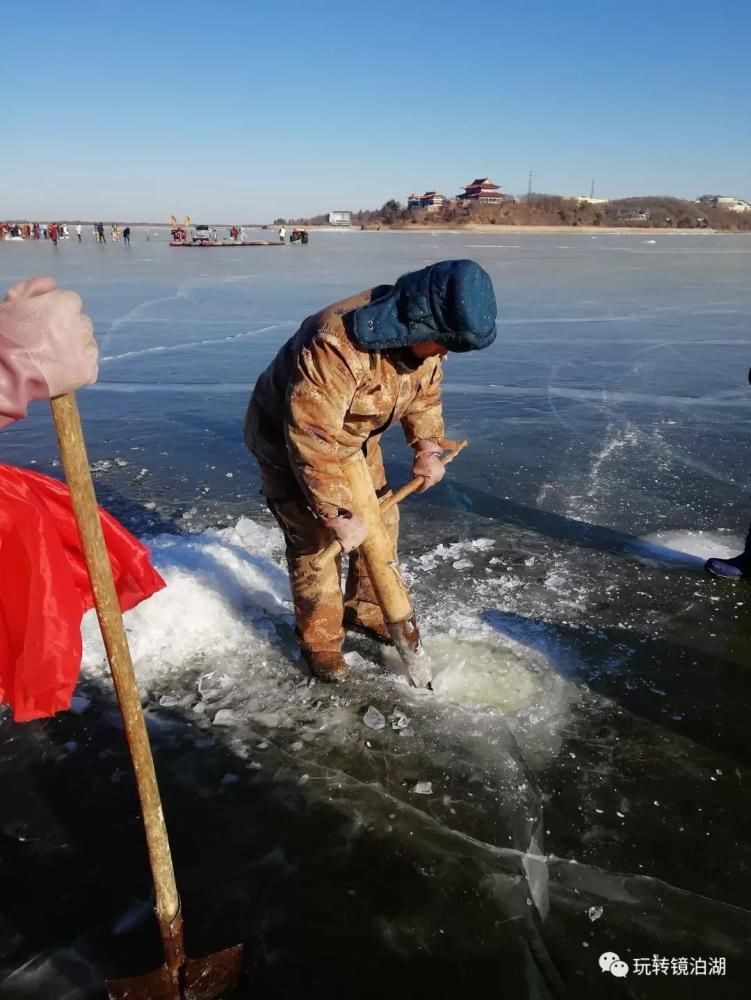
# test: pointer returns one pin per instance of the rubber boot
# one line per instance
(326, 666)
(737, 568)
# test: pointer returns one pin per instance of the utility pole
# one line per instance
(529, 186)
(592, 189)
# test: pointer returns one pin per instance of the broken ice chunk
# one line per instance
(423, 788)
(354, 659)
(595, 912)
(213, 684)
(399, 721)
(373, 719)
(224, 717)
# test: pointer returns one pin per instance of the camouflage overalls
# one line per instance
(321, 400)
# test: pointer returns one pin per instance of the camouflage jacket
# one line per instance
(323, 397)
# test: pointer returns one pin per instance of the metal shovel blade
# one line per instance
(161, 984)
(406, 638)
(208, 978)
(215, 975)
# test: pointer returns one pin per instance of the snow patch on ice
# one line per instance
(225, 591)
(687, 548)
(217, 646)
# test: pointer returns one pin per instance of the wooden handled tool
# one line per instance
(179, 977)
(333, 549)
(377, 551)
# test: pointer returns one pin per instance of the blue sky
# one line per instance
(244, 110)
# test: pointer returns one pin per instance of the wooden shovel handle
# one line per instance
(333, 549)
(78, 475)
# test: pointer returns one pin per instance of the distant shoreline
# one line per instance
(472, 227)
(518, 230)
(482, 227)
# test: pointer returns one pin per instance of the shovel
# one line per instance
(333, 549)
(380, 561)
(179, 978)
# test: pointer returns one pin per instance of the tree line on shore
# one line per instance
(553, 210)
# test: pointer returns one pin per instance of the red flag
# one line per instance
(44, 590)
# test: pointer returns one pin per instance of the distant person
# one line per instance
(37, 231)
(78, 232)
(53, 231)
(100, 232)
(126, 235)
(737, 568)
(66, 234)
(242, 234)
(282, 234)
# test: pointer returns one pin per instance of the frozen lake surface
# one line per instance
(578, 782)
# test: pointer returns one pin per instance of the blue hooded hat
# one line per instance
(451, 302)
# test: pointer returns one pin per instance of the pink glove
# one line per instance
(427, 464)
(348, 530)
(47, 346)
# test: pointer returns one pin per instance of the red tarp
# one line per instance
(44, 590)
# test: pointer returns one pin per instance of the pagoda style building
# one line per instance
(482, 191)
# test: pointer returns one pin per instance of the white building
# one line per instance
(340, 218)
(734, 204)
(723, 201)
